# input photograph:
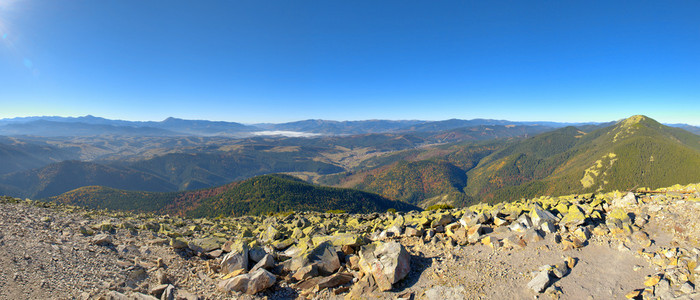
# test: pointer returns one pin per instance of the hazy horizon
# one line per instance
(279, 61)
(359, 120)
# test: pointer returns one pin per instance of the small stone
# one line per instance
(499, 221)
(560, 270)
(570, 262)
(162, 277)
(334, 280)
(540, 282)
(306, 272)
(178, 244)
(410, 231)
(101, 239)
(687, 288)
(634, 294)
(663, 289)
(574, 216)
(652, 280)
(215, 253)
(395, 230)
(474, 233)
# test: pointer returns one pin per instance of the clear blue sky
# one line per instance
(275, 61)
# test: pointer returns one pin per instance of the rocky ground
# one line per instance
(642, 245)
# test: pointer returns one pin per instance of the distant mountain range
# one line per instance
(95, 126)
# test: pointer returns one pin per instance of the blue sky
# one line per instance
(276, 61)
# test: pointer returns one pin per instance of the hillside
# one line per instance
(414, 182)
(635, 152)
(258, 195)
(20, 155)
(58, 178)
(281, 193)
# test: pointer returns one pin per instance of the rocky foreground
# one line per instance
(643, 245)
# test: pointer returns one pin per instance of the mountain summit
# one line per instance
(634, 152)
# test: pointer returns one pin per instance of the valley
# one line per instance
(489, 162)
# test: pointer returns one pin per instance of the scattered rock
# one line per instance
(236, 259)
(386, 262)
(306, 272)
(250, 283)
(266, 263)
(101, 239)
(539, 282)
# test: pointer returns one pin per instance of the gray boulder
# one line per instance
(627, 200)
(236, 259)
(267, 262)
(539, 216)
(387, 262)
(250, 283)
(324, 256)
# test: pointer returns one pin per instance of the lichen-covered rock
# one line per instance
(442, 220)
(236, 259)
(323, 255)
(574, 216)
(206, 244)
(339, 239)
(387, 263)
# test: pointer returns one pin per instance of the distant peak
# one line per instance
(636, 119)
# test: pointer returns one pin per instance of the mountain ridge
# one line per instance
(258, 195)
(177, 126)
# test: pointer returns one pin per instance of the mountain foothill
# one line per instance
(209, 169)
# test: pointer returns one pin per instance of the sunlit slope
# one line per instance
(637, 151)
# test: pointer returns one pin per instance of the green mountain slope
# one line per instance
(279, 193)
(258, 195)
(637, 151)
